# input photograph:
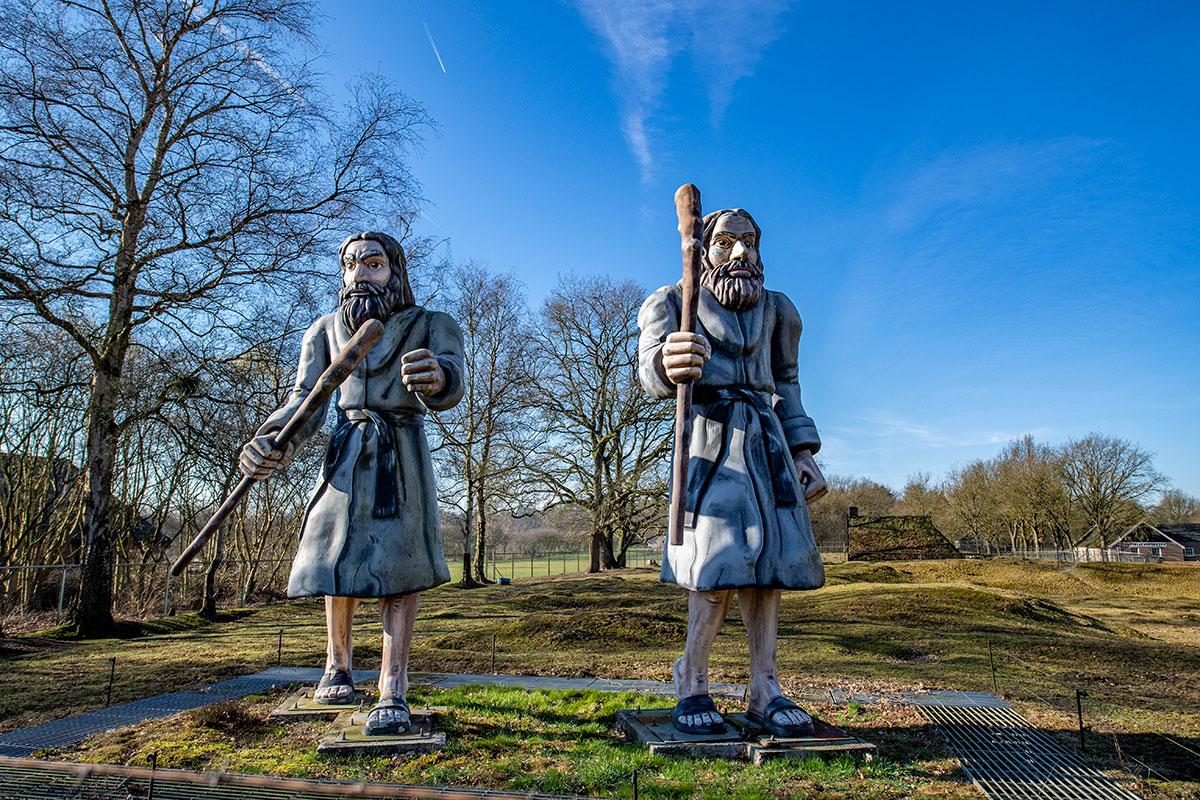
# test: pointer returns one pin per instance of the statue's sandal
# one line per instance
(330, 680)
(694, 706)
(388, 717)
(766, 720)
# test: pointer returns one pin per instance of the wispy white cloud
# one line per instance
(728, 40)
(433, 44)
(984, 177)
(643, 37)
(901, 432)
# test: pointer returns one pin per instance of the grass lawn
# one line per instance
(555, 742)
(1127, 634)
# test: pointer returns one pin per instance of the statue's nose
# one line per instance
(739, 250)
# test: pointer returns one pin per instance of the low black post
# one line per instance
(279, 651)
(153, 766)
(493, 654)
(112, 674)
(992, 662)
(635, 785)
(1079, 695)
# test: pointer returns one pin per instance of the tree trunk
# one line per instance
(594, 556)
(92, 615)
(480, 565)
(209, 608)
(479, 573)
(606, 551)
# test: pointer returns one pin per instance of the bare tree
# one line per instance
(163, 163)
(829, 517)
(922, 497)
(972, 495)
(1031, 495)
(606, 443)
(1108, 478)
(1176, 506)
(484, 437)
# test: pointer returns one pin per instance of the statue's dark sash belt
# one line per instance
(387, 478)
(716, 403)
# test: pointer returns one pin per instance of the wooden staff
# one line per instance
(691, 235)
(339, 369)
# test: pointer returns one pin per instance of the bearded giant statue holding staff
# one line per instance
(746, 528)
(371, 527)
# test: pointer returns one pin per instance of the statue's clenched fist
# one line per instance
(683, 356)
(260, 457)
(421, 372)
(810, 475)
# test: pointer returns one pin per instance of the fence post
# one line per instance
(62, 591)
(493, 654)
(1079, 695)
(992, 662)
(112, 673)
(167, 594)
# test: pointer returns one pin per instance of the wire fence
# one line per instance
(148, 589)
(1079, 555)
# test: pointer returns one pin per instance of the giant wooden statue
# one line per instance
(371, 528)
(751, 471)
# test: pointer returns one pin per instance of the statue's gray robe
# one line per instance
(747, 523)
(371, 528)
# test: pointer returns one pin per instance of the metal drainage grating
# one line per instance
(1009, 759)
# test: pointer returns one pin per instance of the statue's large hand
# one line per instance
(683, 356)
(422, 373)
(811, 478)
(260, 457)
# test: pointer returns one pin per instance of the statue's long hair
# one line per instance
(713, 217)
(396, 260)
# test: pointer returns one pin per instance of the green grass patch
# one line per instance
(536, 741)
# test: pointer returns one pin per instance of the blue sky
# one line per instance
(987, 214)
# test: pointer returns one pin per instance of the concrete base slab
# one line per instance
(299, 705)
(653, 728)
(827, 741)
(742, 741)
(349, 736)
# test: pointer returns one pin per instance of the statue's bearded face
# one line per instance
(732, 270)
(371, 289)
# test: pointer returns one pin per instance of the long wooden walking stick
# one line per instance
(339, 369)
(691, 235)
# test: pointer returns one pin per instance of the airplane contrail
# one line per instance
(433, 44)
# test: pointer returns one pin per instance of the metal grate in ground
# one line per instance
(27, 779)
(1009, 759)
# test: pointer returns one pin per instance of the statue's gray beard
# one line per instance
(363, 301)
(736, 294)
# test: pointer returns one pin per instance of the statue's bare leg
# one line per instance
(706, 614)
(399, 614)
(760, 614)
(339, 649)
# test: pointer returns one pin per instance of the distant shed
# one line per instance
(897, 538)
(1174, 542)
